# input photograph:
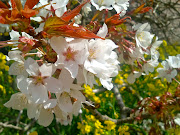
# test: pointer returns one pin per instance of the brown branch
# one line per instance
(123, 109)
(10, 126)
(103, 118)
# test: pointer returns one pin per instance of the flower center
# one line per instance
(141, 36)
(38, 79)
(70, 54)
(92, 54)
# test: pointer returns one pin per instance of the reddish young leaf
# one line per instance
(137, 10)
(16, 4)
(31, 3)
(67, 16)
(54, 22)
(60, 26)
(146, 9)
(115, 20)
(2, 20)
(27, 12)
(2, 5)
(72, 31)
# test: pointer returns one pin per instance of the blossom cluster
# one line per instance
(170, 67)
(47, 88)
(54, 59)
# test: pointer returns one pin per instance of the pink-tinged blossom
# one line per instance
(39, 81)
(71, 54)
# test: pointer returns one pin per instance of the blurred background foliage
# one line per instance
(104, 101)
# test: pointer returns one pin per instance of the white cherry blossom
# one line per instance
(102, 60)
(70, 54)
(119, 5)
(167, 71)
(143, 36)
(39, 82)
(18, 101)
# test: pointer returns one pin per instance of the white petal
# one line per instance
(65, 103)
(131, 79)
(17, 68)
(59, 113)
(14, 35)
(107, 83)
(76, 108)
(78, 95)
(31, 66)
(58, 44)
(103, 31)
(23, 83)
(46, 117)
(33, 110)
(66, 79)
(46, 70)
(51, 103)
(53, 85)
(17, 101)
(15, 55)
(39, 93)
(72, 67)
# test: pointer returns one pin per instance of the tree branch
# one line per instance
(123, 109)
(10, 126)
(102, 118)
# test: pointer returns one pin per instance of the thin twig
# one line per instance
(10, 126)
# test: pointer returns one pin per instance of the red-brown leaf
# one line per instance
(115, 20)
(31, 3)
(27, 12)
(72, 31)
(16, 4)
(54, 22)
(146, 9)
(67, 16)
(2, 5)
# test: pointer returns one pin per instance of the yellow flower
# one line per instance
(98, 124)
(10, 80)
(79, 125)
(2, 56)
(125, 75)
(133, 91)
(6, 68)
(92, 118)
(151, 86)
(87, 129)
(6, 34)
(121, 89)
(116, 115)
(3, 89)
(110, 125)
(112, 95)
(122, 130)
(107, 94)
(1, 73)
(96, 99)
(33, 133)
